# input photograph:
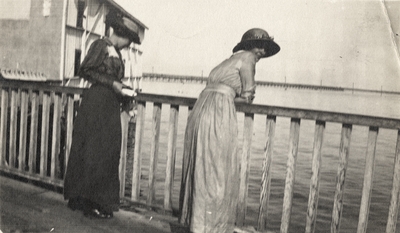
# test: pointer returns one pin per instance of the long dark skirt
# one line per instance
(92, 170)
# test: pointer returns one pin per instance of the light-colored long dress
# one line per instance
(210, 175)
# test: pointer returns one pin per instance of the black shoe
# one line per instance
(75, 204)
(96, 213)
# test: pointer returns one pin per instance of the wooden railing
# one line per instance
(271, 113)
(36, 129)
(31, 146)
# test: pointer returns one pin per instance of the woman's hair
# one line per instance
(121, 32)
(251, 44)
(115, 21)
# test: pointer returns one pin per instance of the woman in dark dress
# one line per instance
(91, 182)
(210, 174)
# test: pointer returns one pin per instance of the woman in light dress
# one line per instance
(210, 174)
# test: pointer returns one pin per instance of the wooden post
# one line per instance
(266, 175)
(171, 154)
(315, 178)
(155, 138)
(33, 132)
(70, 122)
(3, 125)
(368, 180)
(395, 194)
(13, 128)
(23, 130)
(341, 177)
(290, 173)
(137, 157)
(44, 134)
(124, 147)
(245, 168)
(55, 142)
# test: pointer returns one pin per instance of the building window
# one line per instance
(80, 14)
(77, 62)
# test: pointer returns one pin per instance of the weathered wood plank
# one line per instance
(125, 117)
(44, 137)
(344, 151)
(368, 180)
(41, 87)
(137, 157)
(395, 194)
(55, 138)
(244, 169)
(290, 173)
(327, 116)
(266, 174)
(171, 154)
(33, 131)
(3, 125)
(315, 177)
(68, 134)
(13, 128)
(23, 130)
(155, 138)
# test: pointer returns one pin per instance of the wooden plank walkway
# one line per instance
(25, 207)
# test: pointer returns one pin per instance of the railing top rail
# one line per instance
(337, 117)
(40, 87)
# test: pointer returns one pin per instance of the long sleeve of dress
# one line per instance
(247, 73)
(90, 67)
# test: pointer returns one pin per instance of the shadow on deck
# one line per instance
(26, 207)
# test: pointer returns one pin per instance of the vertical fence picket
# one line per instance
(33, 132)
(290, 173)
(69, 127)
(155, 138)
(244, 168)
(13, 128)
(344, 150)
(55, 138)
(23, 130)
(171, 154)
(368, 180)
(137, 157)
(3, 125)
(395, 194)
(266, 174)
(44, 133)
(315, 178)
(125, 118)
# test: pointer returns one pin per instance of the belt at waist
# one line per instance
(221, 88)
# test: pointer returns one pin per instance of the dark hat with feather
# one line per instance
(259, 37)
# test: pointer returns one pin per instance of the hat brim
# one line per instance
(133, 36)
(120, 24)
(271, 46)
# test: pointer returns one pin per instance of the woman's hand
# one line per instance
(117, 87)
(246, 100)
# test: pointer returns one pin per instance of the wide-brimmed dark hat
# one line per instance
(257, 35)
(125, 25)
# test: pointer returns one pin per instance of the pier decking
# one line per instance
(25, 207)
